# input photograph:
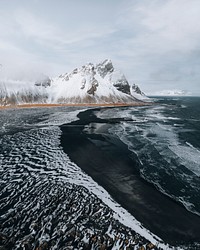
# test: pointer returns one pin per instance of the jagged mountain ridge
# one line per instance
(100, 83)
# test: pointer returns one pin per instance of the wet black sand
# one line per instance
(109, 162)
(41, 210)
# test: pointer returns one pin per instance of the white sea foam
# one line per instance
(173, 118)
(114, 113)
(165, 134)
(157, 133)
(190, 145)
(189, 157)
(61, 117)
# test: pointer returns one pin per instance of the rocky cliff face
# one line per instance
(137, 90)
(100, 83)
(91, 83)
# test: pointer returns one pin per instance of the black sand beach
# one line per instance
(42, 204)
(109, 162)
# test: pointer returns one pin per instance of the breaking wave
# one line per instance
(165, 141)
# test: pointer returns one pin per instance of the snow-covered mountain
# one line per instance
(138, 94)
(173, 92)
(100, 83)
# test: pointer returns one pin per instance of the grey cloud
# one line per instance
(155, 43)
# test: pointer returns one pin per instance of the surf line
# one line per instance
(111, 164)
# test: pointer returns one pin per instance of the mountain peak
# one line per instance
(96, 83)
(105, 67)
(91, 83)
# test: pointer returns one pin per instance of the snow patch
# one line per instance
(91, 83)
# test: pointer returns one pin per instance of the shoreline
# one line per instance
(99, 154)
(50, 105)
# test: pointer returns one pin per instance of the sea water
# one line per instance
(165, 138)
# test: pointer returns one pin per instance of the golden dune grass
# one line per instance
(48, 105)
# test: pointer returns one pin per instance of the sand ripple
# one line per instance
(42, 208)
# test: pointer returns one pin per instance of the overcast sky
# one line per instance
(155, 43)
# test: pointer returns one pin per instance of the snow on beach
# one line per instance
(38, 153)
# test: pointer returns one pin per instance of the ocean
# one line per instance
(166, 140)
(48, 200)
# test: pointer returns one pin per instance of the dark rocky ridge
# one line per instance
(136, 89)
